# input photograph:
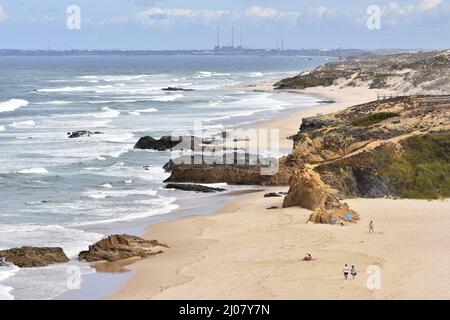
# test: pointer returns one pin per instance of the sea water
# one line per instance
(69, 193)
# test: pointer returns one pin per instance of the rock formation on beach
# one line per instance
(29, 257)
(119, 247)
(307, 190)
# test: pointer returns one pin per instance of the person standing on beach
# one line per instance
(353, 272)
(345, 271)
(371, 226)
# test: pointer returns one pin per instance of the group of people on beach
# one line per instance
(348, 270)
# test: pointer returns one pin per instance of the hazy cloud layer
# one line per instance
(193, 23)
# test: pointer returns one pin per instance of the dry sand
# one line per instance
(249, 252)
(246, 251)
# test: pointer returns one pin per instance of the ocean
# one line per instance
(69, 193)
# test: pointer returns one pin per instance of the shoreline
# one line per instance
(184, 235)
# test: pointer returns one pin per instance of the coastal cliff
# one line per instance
(418, 72)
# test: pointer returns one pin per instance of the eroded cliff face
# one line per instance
(398, 148)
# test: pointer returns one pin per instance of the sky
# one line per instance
(194, 24)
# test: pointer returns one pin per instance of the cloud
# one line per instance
(427, 5)
(269, 13)
(3, 15)
(157, 16)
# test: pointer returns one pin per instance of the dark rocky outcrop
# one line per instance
(82, 133)
(168, 142)
(119, 247)
(176, 89)
(193, 187)
(29, 257)
(205, 169)
(163, 144)
(273, 195)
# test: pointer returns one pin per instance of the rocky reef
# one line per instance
(82, 133)
(207, 169)
(193, 187)
(119, 247)
(30, 257)
(169, 142)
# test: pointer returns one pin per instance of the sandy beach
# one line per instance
(246, 251)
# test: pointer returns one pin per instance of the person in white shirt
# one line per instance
(346, 271)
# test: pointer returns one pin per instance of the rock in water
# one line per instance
(82, 133)
(272, 195)
(162, 144)
(175, 89)
(29, 257)
(193, 187)
(119, 247)
(169, 142)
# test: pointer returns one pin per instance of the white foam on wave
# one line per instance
(71, 240)
(6, 273)
(167, 98)
(104, 194)
(2, 128)
(155, 206)
(138, 112)
(54, 103)
(63, 89)
(106, 185)
(13, 104)
(107, 113)
(23, 124)
(34, 171)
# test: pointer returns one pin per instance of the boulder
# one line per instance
(119, 247)
(82, 133)
(273, 195)
(162, 144)
(169, 142)
(176, 89)
(308, 191)
(29, 257)
(193, 187)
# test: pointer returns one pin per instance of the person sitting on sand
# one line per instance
(353, 272)
(308, 257)
(346, 271)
